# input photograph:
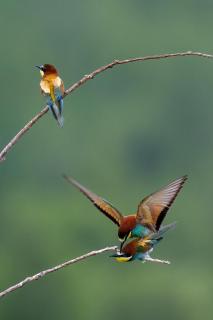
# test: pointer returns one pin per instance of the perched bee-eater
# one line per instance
(52, 86)
(140, 249)
(150, 214)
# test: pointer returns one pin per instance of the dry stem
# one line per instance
(43, 273)
(88, 77)
(58, 267)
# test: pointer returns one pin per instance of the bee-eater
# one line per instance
(52, 86)
(140, 249)
(150, 214)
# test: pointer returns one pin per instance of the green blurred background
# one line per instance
(128, 132)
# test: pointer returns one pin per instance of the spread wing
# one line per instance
(152, 210)
(104, 206)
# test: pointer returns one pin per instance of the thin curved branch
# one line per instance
(149, 259)
(43, 273)
(88, 77)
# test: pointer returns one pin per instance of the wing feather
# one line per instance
(104, 206)
(152, 209)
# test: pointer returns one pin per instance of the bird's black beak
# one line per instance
(122, 243)
(126, 237)
(39, 67)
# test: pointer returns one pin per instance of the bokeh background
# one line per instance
(127, 133)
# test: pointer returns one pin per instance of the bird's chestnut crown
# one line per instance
(47, 68)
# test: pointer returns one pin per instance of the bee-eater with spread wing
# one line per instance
(52, 86)
(150, 214)
(140, 248)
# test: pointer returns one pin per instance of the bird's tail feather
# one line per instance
(57, 108)
(163, 229)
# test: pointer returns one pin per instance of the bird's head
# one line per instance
(46, 69)
(125, 230)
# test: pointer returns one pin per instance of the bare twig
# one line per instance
(88, 77)
(58, 267)
(149, 259)
(43, 273)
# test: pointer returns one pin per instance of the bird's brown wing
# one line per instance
(152, 209)
(62, 89)
(104, 206)
(42, 92)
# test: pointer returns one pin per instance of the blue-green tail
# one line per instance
(163, 229)
(57, 109)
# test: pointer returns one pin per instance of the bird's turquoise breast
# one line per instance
(140, 231)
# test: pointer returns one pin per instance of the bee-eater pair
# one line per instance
(140, 248)
(52, 86)
(145, 225)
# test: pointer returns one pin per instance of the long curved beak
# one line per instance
(39, 67)
(122, 244)
(127, 237)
